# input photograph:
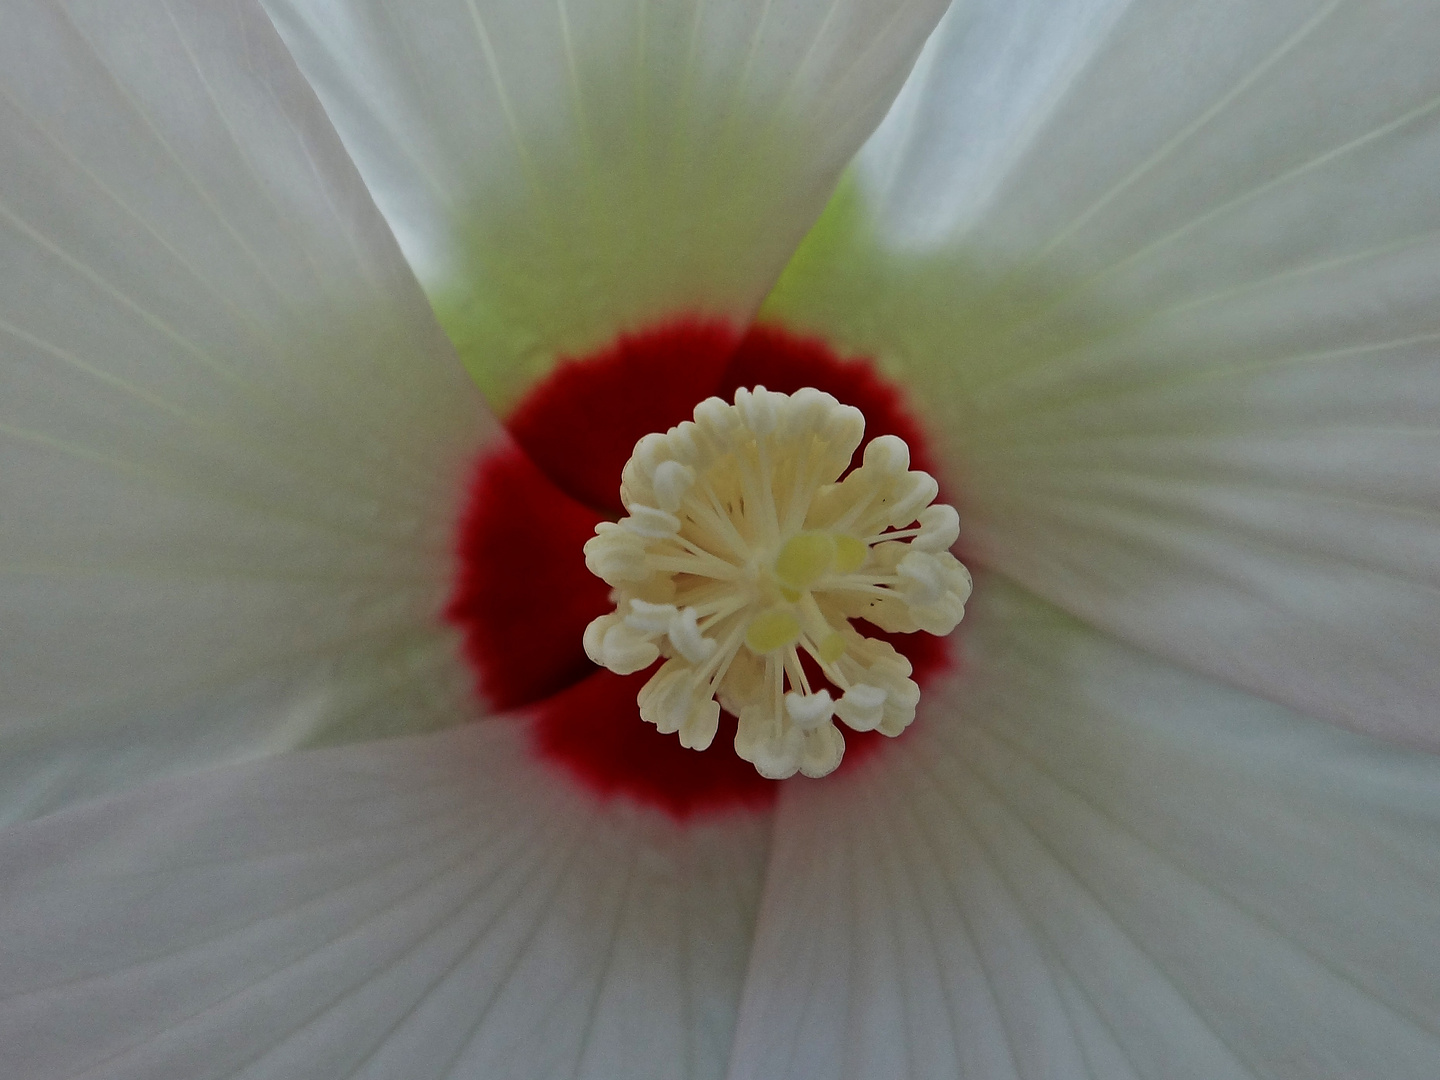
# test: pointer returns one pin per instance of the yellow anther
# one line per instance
(850, 553)
(804, 559)
(771, 630)
(832, 648)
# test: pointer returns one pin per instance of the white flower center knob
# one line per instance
(743, 559)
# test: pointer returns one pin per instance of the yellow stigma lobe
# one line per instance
(804, 559)
(772, 630)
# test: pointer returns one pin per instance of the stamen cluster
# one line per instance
(743, 552)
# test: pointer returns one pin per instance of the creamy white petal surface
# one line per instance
(558, 170)
(1178, 326)
(427, 907)
(233, 434)
(1087, 863)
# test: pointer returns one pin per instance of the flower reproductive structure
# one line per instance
(745, 560)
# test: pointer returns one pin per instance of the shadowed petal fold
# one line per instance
(560, 170)
(427, 907)
(1086, 863)
(234, 436)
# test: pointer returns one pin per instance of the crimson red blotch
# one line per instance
(524, 596)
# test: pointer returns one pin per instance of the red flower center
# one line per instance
(524, 595)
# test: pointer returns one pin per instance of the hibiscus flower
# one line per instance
(1153, 283)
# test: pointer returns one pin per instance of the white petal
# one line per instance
(233, 435)
(1182, 340)
(1085, 863)
(428, 907)
(557, 171)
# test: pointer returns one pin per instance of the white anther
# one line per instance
(651, 523)
(900, 689)
(935, 589)
(649, 618)
(821, 751)
(909, 495)
(862, 706)
(594, 639)
(620, 648)
(777, 759)
(650, 451)
(759, 409)
(900, 702)
(684, 632)
(957, 577)
(775, 754)
(616, 554)
(939, 528)
(672, 481)
(808, 404)
(715, 416)
(846, 426)
(923, 581)
(683, 447)
(809, 711)
(666, 700)
(698, 730)
(806, 412)
(888, 455)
